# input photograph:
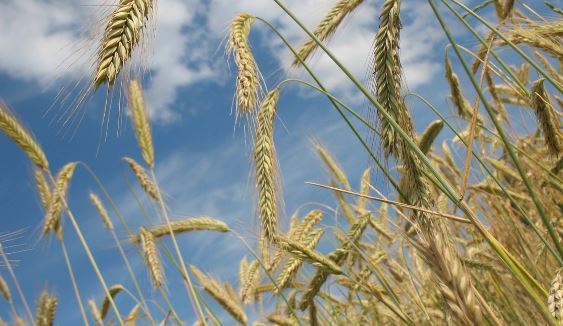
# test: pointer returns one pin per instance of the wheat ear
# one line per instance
(5, 289)
(555, 298)
(19, 135)
(248, 78)
(327, 27)
(151, 257)
(95, 313)
(334, 168)
(133, 315)
(429, 135)
(123, 31)
(53, 215)
(46, 309)
(144, 181)
(186, 225)
(546, 116)
(266, 164)
(97, 203)
(293, 264)
(113, 291)
(141, 122)
(43, 188)
(215, 290)
(338, 256)
(461, 103)
(250, 281)
(388, 74)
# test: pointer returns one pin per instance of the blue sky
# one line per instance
(203, 159)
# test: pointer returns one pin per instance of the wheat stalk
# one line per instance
(46, 309)
(19, 135)
(53, 215)
(326, 27)
(248, 79)
(122, 33)
(546, 116)
(266, 164)
(151, 257)
(141, 122)
(144, 181)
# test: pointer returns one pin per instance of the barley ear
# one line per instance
(141, 122)
(545, 113)
(19, 135)
(266, 165)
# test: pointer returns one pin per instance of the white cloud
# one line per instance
(189, 33)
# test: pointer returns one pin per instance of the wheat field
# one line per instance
(453, 222)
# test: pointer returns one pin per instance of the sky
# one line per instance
(202, 153)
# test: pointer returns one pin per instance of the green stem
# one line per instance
(541, 210)
(512, 45)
